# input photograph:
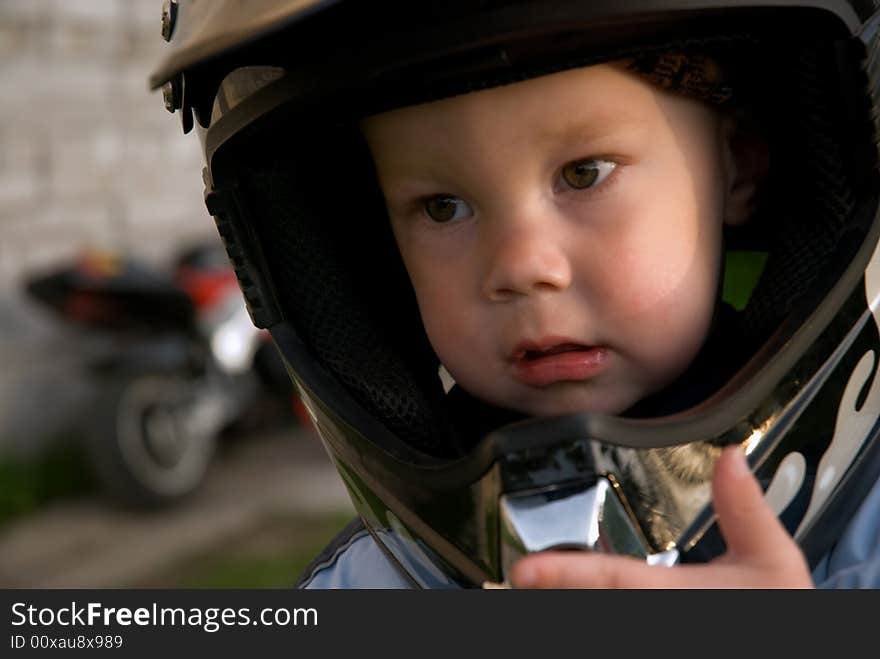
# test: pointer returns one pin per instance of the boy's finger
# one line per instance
(572, 570)
(597, 570)
(750, 527)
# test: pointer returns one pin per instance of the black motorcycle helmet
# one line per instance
(275, 88)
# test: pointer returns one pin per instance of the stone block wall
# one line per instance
(89, 156)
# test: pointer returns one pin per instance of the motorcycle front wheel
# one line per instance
(149, 441)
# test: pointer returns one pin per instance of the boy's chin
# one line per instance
(556, 401)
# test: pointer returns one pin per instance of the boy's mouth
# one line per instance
(542, 364)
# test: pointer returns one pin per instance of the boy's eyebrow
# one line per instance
(599, 125)
(406, 188)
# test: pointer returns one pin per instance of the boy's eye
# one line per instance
(583, 174)
(446, 209)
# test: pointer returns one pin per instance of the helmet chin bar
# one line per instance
(584, 517)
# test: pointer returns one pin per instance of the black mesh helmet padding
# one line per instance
(321, 223)
(312, 195)
(812, 197)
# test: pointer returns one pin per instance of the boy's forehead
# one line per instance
(575, 103)
(585, 105)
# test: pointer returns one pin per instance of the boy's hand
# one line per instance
(760, 553)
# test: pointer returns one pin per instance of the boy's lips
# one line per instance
(556, 360)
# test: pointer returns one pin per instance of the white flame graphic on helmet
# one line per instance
(850, 430)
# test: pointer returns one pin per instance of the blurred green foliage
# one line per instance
(273, 556)
(27, 484)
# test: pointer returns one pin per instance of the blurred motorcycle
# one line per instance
(177, 361)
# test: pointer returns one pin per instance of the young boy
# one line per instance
(564, 239)
(562, 218)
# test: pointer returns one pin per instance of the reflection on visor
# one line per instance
(586, 517)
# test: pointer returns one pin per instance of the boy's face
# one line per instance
(563, 234)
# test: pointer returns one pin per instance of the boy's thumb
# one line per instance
(750, 527)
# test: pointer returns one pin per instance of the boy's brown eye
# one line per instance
(582, 174)
(445, 209)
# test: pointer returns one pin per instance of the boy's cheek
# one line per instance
(663, 267)
(660, 322)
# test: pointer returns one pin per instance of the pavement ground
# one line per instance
(91, 543)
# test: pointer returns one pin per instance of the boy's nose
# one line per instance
(525, 261)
